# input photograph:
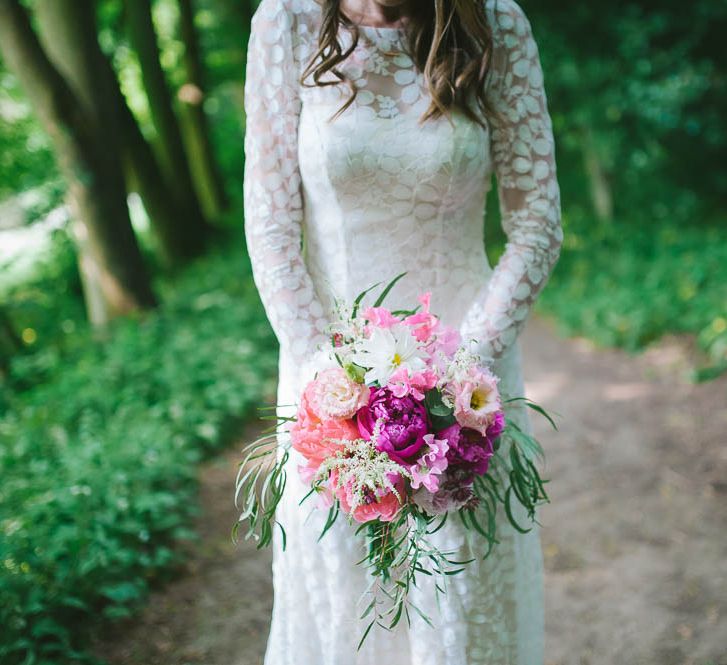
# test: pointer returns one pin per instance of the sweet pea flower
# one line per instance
(424, 323)
(379, 317)
(402, 383)
(469, 451)
(430, 464)
(307, 474)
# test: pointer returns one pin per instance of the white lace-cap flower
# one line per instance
(389, 349)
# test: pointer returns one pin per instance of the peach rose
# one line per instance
(314, 438)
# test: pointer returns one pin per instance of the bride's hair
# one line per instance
(450, 41)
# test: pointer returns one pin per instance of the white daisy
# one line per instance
(388, 349)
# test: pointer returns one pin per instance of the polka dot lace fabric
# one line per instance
(332, 206)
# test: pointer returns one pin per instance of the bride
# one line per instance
(373, 128)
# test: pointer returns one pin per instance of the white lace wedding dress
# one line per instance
(374, 194)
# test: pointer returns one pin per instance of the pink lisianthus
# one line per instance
(335, 395)
(314, 438)
(380, 504)
(476, 399)
(401, 383)
(430, 465)
(443, 500)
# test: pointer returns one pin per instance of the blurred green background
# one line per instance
(132, 340)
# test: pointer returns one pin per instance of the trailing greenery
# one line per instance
(98, 461)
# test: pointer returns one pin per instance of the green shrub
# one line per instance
(629, 286)
(98, 461)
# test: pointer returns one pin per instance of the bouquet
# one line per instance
(403, 430)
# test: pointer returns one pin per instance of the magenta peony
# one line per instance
(402, 424)
(469, 451)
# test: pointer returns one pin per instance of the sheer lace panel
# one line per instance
(524, 157)
(272, 199)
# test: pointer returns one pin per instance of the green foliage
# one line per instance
(646, 94)
(27, 163)
(632, 284)
(45, 310)
(98, 461)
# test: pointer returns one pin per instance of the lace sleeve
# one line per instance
(523, 154)
(273, 203)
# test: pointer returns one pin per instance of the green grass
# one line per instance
(630, 286)
(99, 444)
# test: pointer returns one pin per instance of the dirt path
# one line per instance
(634, 541)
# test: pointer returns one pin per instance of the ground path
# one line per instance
(635, 541)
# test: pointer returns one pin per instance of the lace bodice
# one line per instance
(374, 193)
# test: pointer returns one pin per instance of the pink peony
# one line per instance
(335, 395)
(315, 438)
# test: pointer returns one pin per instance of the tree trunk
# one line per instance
(172, 155)
(68, 33)
(112, 269)
(601, 196)
(10, 344)
(194, 121)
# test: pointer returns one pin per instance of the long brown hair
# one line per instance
(450, 41)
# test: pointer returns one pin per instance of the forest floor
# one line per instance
(635, 539)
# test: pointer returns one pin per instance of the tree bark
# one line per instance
(68, 32)
(10, 344)
(601, 196)
(170, 147)
(194, 121)
(111, 265)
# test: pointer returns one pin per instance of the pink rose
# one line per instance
(335, 395)
(382, 504)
